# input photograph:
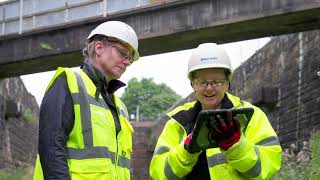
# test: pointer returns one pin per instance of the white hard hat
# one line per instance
(209, 55)
(120, 31)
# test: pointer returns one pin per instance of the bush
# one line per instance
(303, 164)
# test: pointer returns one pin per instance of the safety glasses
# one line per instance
(122, 50)
(205, 83)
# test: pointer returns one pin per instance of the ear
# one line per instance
(192, 85)
(98, 47)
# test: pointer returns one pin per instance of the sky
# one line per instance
(167, 68)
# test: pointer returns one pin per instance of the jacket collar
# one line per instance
(187, 118)
(226, 102)
(100, 81)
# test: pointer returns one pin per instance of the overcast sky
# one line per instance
(168, 68)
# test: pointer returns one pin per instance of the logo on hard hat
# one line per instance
(208, 58)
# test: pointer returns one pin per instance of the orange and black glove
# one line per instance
(225, 132)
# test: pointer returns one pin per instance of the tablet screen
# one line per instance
(200, 133)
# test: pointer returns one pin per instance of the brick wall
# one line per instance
(142, 152)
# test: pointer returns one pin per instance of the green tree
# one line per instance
(152, 99)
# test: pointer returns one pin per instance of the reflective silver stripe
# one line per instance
(91, 152)
(161, 149)
(123, 162)
(216, 159)
(169, 173)
(113, 157)
(256, 169)
(122, 112)
(84, 100)
(242, 102)
(98, 152)
(85, 113)
(270, 141)
(100, 102)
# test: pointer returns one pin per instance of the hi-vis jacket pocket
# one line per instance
(97, 168)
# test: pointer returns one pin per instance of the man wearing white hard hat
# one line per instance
(84, 129)
(239, 153)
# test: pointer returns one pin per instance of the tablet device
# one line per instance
(200, 133)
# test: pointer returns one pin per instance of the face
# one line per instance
(210, 86)
(113, 58)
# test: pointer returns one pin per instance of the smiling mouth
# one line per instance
(209, 96)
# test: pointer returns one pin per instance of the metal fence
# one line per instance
(19, 16)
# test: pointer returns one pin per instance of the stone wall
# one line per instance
(18, 124)
(283, 79)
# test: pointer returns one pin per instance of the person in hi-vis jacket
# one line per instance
(84, 129)
(253, 153)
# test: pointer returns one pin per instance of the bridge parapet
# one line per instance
(162, 26)
(32, 15)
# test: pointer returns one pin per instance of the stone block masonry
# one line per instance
(283, 79)
(18, 135)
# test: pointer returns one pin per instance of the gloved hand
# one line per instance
(225, 134)
(190, 148)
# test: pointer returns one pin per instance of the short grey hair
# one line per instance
(89, 50)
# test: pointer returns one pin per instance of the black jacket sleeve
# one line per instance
(55, 123)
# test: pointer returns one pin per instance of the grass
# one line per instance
(302, 164)
(21, 173)
(7, 174)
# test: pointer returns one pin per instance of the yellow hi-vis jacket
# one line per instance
(94, 150)
(256, 155)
